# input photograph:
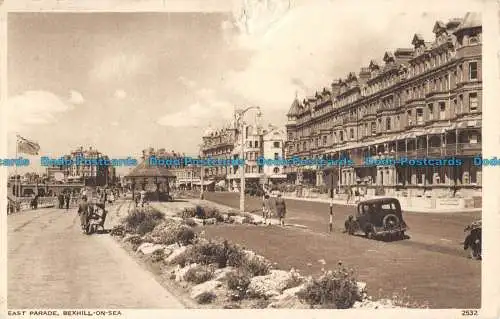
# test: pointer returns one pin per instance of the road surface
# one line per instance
(51, 264)
(431, 265)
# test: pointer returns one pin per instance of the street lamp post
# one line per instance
(202, 172)
(240, 113)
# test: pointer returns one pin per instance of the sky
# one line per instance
(121, 82)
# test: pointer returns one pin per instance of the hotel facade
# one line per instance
(259, 141)
(421, 102)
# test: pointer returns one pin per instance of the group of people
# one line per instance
(88, 211)
(279, 206)
(353, 194)
(64, 199)
(141, 199)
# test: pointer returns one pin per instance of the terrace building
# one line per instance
(259, 142)
(424, 101)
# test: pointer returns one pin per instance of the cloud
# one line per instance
(303, 48)
(120, 94)
(197, 114)
(186, 82)
(34, 108)
(118, 66)
(76, 98)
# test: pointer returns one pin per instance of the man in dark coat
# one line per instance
(67, 199)
(83, 211)
(60, 197)
(280, 209)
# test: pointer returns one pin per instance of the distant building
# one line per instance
(91, 175)
(259, 142)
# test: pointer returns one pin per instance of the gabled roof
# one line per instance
(373, 64)
(439, 26)
(145, 170)
(294, 108)
(417, 39)
(388, 56)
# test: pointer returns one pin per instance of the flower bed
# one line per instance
(220, 274)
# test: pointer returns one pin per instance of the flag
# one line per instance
(26, 146)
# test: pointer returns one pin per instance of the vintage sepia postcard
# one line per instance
(295, 158)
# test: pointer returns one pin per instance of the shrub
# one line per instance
(295, 280)
(336, 289)
(188, 213)
(206, 297)
(158, 255)
(232, 213)
(146, 226)
(190, 222)
(238, 283)
(141, 221)
(118, 230)
(134, 218)
(166, 232)
(256, 266)
(156, 214)
(207, 253)
(247, 220)
(199, 274)
(185, 236)
(260, 304)
(135, 240)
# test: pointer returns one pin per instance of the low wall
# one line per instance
(43, 202)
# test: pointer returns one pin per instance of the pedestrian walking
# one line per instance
(83, 211)
(60, 197)
(35, 202)
(67, 199)
(280, 209)
(349, 195)
(266, 209)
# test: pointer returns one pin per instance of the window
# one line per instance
(276, 156)
(388, 124)
(374, 128)
(473, 105)
(442, 111)
(324, 141)
(460, 103)
(473, 71)
(473, 139)
(420, 116)
(256, 144)
(430, 116)
(397, 122)
(352, 133)
(276, 170)
(341, 136)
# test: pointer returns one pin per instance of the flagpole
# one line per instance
(15, 170)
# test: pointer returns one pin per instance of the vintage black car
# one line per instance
(378, 218)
